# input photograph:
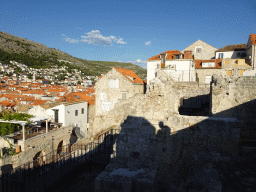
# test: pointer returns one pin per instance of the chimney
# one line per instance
(188, 55)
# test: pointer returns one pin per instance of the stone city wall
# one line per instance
(234, 97)
(158, 141)
(163, 98)
(147, 146)
(46, 143)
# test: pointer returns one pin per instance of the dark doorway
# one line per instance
(60, 147)
(38, 159)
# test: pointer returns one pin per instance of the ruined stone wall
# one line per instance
(46, 143)
(163, 98)
(153, 142)
(155, 137)
(234, 97)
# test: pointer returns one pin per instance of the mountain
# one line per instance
(40, 56)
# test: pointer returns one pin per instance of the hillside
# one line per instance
(40, 56)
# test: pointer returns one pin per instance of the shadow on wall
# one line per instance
(195, 106)
(191, 152)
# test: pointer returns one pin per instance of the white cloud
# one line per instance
(120, 41)
(139, 62)
(69, 40)
(95, 38)
(148, 43)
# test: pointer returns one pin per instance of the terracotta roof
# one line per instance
(89, 91)
(198, 64)
(253, 39)
(50, 105)
(6, 103)
(238, 47)
(38, 102)
(129, 73)
(170, 55)
(77, 96)
(91, 102)
(100, 77)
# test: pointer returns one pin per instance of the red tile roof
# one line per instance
(38, 102)
(129, 73)
(78, 96)
(198, 64)
(253, 39)
(232, 48)
(169, 53)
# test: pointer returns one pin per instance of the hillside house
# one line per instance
(117, 84)
(201, 50)
(174, 63)
(231, 52)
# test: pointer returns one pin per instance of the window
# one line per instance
(113, 83)
(82, 111)
(208, 64)
(76, 112)
(56, 115)
(220, 56)
(176, 56)
(198, 50)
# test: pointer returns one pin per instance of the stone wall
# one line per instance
(202, 73)
(145, 145)
(106, 97)
(46, 143)
(163, 98)
(234, 97)
(165, 141)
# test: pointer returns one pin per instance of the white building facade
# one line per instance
(66, 114)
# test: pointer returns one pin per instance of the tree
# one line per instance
(8, 128)
(30, 76)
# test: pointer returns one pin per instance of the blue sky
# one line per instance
(128, 31)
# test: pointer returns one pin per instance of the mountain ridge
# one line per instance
(18, 47)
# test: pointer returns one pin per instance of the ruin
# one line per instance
(157, 145)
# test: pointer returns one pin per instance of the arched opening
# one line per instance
(60, 147)
(38, 159)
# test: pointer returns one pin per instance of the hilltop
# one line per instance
(40, 56)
